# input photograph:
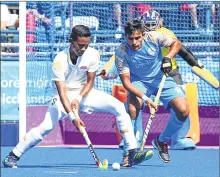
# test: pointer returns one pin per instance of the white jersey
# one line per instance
(75, 76)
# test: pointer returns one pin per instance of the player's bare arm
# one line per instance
(174, 48)
(61, 87)
(89, 84)
(85, 90)
(125, 78)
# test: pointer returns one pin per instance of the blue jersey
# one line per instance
(143, 64)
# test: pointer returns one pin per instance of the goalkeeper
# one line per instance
(74, 71)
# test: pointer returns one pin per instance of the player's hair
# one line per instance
(79, 31)
(151, 20)
(134, 25)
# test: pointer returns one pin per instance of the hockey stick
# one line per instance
(100, 165)
(101, 73)
(152, 113)
(107, 66)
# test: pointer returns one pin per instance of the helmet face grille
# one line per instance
(151, 26)
(151, 20)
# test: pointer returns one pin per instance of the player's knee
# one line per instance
(180, 107)
(183, 112)
(132, 112)
(119, 109)
(45, 129)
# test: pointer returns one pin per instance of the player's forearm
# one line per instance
(174, 49)
(86, 88)
(63, 96)
(131, 88)
(65, 101)
(88, 85)
(188, 56)
(66, 104)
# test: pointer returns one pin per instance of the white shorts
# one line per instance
(95, 101)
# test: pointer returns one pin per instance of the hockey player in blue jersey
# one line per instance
(141, 66)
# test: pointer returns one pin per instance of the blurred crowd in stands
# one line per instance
(39, 15)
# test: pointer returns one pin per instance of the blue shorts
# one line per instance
(170, 90)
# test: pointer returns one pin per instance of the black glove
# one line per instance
(166, 65)
(200, 66)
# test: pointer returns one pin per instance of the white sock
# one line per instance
(32, 138)
(124, 123)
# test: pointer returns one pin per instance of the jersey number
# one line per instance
(54, 101)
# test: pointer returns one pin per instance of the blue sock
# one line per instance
(139, 128)
(133, 124)
(172, 127)
(182, 132)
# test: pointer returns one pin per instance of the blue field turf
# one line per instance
(77, 162)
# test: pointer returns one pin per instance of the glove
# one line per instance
(200, 66)
(166, 65)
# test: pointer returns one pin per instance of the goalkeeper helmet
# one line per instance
(151, 20)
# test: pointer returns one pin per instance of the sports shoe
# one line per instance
(10, 162)
(125, 160)
(137, 156)
(121, 145)
(162, 147)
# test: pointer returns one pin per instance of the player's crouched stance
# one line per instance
(141, 67)
(74, 71)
